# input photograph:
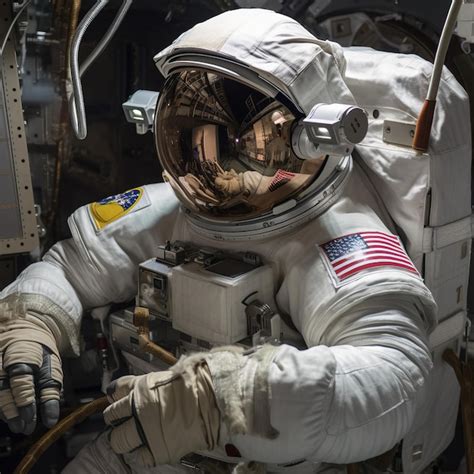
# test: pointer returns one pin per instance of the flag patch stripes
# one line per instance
(353, 254)
(280, 179)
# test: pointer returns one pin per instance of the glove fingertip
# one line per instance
(28, 413)
(50, 413)
(16, 425)
(30, 428)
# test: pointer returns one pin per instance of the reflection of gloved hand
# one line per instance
(162, 416)
(30, 367)
(198, 189)
(229, 182)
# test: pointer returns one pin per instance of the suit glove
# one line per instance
(30, 373)
(162, 416)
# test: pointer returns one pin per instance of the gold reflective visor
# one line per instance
(226, 148)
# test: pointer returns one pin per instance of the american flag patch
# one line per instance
(281, 178)
(350, 255)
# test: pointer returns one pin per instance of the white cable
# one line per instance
(443, 46)
(12, 24)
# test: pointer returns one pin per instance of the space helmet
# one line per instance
(253, 122)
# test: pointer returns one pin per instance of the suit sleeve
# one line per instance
(97, 266)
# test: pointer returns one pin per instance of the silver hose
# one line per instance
(78, 112)
(76, 102)
(122, 11)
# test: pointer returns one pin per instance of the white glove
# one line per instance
(30, 371)
(162, 416)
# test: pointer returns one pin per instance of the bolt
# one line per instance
(388, 130)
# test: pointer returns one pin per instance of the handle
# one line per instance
(421, 140)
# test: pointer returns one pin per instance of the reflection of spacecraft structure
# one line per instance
(205, 143)
(233, 143)
(218, 123)
(269, 135)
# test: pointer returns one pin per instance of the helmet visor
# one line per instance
(226, 147)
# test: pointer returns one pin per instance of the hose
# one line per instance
(122, 11)
(78, 112)
(443, 49)
(77, 108)
(141, 320)
(57, 431)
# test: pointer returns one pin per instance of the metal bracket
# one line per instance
(18, 226)
(398, 133)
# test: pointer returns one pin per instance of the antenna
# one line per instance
(421, 140)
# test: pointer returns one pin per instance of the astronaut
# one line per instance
(237, 86)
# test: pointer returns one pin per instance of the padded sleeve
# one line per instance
(353, 400)
(98, 266)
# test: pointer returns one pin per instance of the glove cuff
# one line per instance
(44, 313)
(242, 388)
(20, 325)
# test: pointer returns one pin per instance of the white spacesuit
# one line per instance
(237, 87)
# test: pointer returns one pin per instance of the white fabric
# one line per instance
(277, 47)
(398, 85)
(416, 189)
(98, 458)
(352, 405)
(360, 386)
(428, 196)
(323, 315)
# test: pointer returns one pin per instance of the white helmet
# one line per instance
(230, 129)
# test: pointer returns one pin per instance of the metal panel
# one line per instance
(18, 228)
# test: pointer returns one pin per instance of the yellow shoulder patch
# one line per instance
(112, 208)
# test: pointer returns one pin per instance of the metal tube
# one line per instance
(425, 119)
(443, 49)
(141, 320)
(78, 113)
(105, 40)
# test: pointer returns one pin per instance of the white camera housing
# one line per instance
(140, 110)
(331, 129)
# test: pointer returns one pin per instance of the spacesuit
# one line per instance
(340, 273)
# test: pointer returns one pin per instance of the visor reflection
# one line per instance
(226, 147)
